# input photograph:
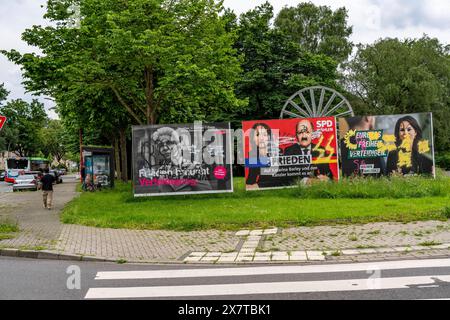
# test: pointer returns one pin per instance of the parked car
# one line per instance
(58, 177)
(2, 176)
(25, 182)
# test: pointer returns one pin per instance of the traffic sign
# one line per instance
(2, 121)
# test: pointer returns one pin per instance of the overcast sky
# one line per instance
(371, 20)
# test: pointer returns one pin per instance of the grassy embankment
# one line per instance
(350, 201)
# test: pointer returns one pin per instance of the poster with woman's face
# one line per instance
(392, 145)
(283, 153)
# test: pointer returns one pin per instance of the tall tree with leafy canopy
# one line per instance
(3, 93)
(275, 67)
(53, 140)
(317, 29)
(101, 119)
(395, 77)
(24, 123)
(7, 135)
(164, 60)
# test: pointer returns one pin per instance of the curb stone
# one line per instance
(47, 255)
(9, 252)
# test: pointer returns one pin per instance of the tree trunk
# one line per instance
(123, 154)
(149, 95)
(117, 157)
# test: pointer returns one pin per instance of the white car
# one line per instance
(25, 182)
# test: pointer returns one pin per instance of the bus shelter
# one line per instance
(99, 164)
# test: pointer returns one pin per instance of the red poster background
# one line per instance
(322, 127)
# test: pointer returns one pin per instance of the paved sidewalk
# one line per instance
(41, 230)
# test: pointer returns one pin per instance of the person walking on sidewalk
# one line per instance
(83, 177)
(47, 189)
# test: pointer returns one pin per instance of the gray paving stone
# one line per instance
(351, 252)
(262, 258)
(263, 254)
(213, 254)
(227, 259)
(298, 256)
(315, 256)
(244, 258)
(197, 254)
(250, 244)
(209, 259)
(280, 257)
(442, 246)
(192, 259)
(270, 231)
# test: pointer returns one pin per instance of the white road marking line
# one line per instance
(227, 272)
(260, 288)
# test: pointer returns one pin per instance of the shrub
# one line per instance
(443, 160)
(371, 188)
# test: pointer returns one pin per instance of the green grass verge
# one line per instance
(6, 228)
(357, 201)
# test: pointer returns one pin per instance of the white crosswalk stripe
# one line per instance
(225, 272)
(257, 288)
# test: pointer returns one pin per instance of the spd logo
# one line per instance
(324, 124)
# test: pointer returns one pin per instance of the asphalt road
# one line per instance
(47, 279)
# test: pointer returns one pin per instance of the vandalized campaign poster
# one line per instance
(282, 153)
(182, 159)
(391, 145)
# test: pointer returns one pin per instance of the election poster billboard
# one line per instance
(390, 145)
(180, 159)
(282, 153)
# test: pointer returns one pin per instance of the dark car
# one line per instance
(2, 175)
(58, 177)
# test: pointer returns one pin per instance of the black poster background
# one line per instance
(159, 169)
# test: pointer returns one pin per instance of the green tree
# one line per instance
(7, 135)
(25, 121)
(274, 66)
(164, 60)
(317, 29)
(52, 136)
(3, 93)
(101, 120)
(397, 77)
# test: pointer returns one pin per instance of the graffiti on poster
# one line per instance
(181, 159)
(387, 145)
(283, 153)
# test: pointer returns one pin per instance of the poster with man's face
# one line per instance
(391, 145)
(283, 153)
(181, 159)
